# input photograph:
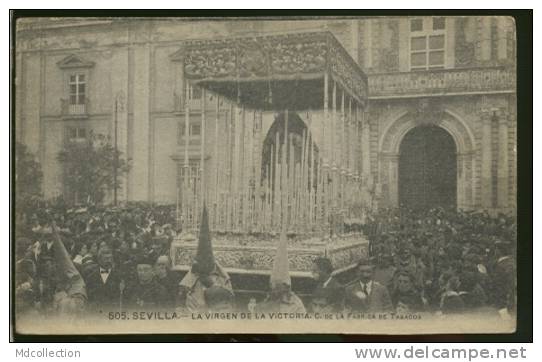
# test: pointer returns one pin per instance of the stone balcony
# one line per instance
(442, 82)
(179, 105)
(74, 111)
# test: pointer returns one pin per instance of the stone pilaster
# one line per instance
(461, 181)
(486, 188)
(365, 145)
(483, 45)
(393, 181)
(141, 129)
(368, 40)
(502, 161)
(355, 39)
(389, 180)
(19, 88)
(502, 46)
(512, 159)
(464, 181)
(119, 95)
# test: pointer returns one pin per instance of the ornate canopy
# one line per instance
(273, 72)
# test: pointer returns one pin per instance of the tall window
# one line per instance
(427, 43)
(194, 92)
(76, 134)
(195, 129)
(76, 72)
(195, 132)
(77, 84)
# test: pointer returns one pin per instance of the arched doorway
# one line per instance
(427, 169)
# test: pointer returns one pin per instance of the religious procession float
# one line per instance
(289, 112)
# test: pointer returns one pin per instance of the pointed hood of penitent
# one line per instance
(204, 255)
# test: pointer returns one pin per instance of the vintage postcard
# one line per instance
(348, 175)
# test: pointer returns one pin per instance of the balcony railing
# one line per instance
(69, 110)
(78, 140)
(179, 105)
(443, 82)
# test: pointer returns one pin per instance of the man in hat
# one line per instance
(384, 269)
(45, 285)
(145, 292)
(164, 276)
(451, 301)
(46, 240)
(103, 282)
(327, 289)
(405, 296)
(366, 294)
(504, 279)
(204, 273)
(158, 246)
(281, 298)
(471, 291)
(25, 274)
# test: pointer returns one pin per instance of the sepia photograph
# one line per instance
(278, 174)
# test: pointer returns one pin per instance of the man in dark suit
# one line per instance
(103, 282)
(146, 292)
(45, 237)
(366, 294)
(504, 279)
(329, 293)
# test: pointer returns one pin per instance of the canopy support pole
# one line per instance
(326, 154)
(186, 165)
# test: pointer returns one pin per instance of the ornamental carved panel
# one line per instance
(215, 62)
(273, 57)
(252, 61)
(299, 57)
(344, 253)
(342, 71)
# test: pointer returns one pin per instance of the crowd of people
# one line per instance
(445, 261)
(120, 253)
(94, 259)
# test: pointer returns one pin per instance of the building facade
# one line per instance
(439, 127)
